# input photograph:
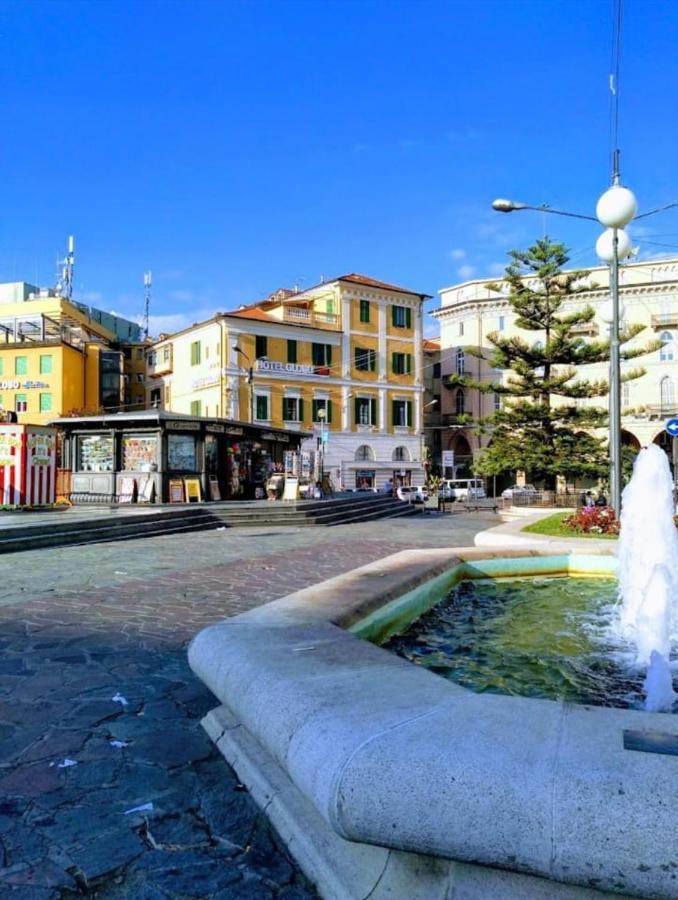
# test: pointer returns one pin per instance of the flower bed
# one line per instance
(593, 520)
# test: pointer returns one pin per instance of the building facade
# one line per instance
(57, 356)
(432, 402)
(341, 361)
(649, 295)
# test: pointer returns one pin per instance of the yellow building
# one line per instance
(57, 356)
(341, 361)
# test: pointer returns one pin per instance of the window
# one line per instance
(20, 402)
(666, 352)
(402, 413)
(195, 353)
(321, 354)
(501, 325)
(436, 370)
(292, 409)
(45, 403)
(291, 351)
(155, 398)
(127, 352)
(666, 393)
(625, 392)
(365, 360)
(140, 353)
(21, 365)
(365, 411)
(459, 362)
(181, 452)
(460, 330)
(401, 316)
(319, 404)
(261, 346)
(330, 306)
(95, 453)
(497, 401)
(401, 363)
(141, 377)
(165, 354)
(460, 403)
(364, 310)
(401, 454)
(46, 364)
(363, 453)
(196, 407)
(152, 358)
(262, 407)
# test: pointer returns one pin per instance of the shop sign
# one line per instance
(237, 432)
(266, 365)
(182, 426)
(217, 428)
(269, 436)
(207, 381)
(13, 384)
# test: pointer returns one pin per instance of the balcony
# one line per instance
(652, 411)
(159, 362)
(302, 315)
(588, 328)
(665, 320)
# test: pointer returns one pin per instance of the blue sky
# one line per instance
(234, 148)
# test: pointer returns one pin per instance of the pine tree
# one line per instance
(539, 428)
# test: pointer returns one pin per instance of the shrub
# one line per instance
(593, 520)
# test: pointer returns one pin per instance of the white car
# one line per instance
(519, 490)
(412, 494)
(463, 489)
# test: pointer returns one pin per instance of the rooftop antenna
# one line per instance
(147, 301)
(64, 285)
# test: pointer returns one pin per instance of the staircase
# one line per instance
(79, 527)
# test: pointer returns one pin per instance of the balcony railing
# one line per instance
(159, 363)
(590, 328)
(309, 317)
(665, 319)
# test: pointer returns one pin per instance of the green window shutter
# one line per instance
(356, 407)
(394, 315)
(262, 407)
(328, 407)
(196, 406)
(394, 364)
(291, 351)
(45, 403)
(21, 365)
(285, 407)
(261, 346)
(409, 413)
(408, 363)
(408, 317)
(329, 354)
(373, 360)
(315, 356)
(364, 310)
(46, 365)
(314, 410)
(373, 411)
(301, 410)
(393, 411)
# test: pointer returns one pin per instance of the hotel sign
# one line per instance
(15, 385)
(266, 365)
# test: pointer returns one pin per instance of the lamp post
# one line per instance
(321, 416)
(250, 379)
(615, 209)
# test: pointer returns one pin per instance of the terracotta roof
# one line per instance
(355, 278)
(253, 312)
(429, 344)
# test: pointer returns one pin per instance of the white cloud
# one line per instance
(466, 271)
(457, 253)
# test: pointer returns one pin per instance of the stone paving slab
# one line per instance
(93, 671)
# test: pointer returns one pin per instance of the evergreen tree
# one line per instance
(539, 428)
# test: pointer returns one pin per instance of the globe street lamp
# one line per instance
(321, 450)
(250, 379)
(615, 209)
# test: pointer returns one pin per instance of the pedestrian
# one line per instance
(587, 499)
(601, 500)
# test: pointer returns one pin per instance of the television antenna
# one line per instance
(148, 281)
(64, 285)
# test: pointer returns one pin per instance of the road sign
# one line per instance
(672, 427)
(448, 459)
(325, 436)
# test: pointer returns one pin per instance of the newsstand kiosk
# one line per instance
(27, 465)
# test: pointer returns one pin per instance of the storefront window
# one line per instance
(211, 453)
(181, 452)
(95, 453)
(139, 454)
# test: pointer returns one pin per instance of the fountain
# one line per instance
(648, 572)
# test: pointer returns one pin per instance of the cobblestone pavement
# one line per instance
(99, 712)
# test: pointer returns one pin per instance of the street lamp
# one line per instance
(250, 379)
(614, 209)
(321, 416)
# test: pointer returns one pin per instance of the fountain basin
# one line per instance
(387, 780)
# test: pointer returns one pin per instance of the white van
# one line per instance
(463, 489)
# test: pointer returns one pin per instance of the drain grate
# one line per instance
(651, 742)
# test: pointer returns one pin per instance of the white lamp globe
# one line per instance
(605, 311)
(605, 245)
(616, 207)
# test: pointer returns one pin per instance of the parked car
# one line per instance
(412, 494)
(520, 492)
(462, 489)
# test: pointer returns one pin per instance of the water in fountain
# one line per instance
(648, 572)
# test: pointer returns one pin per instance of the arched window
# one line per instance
(364, 452)
(460, 361)
(401, 454)
(666, 352)
(460, 403)
(666, 393)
